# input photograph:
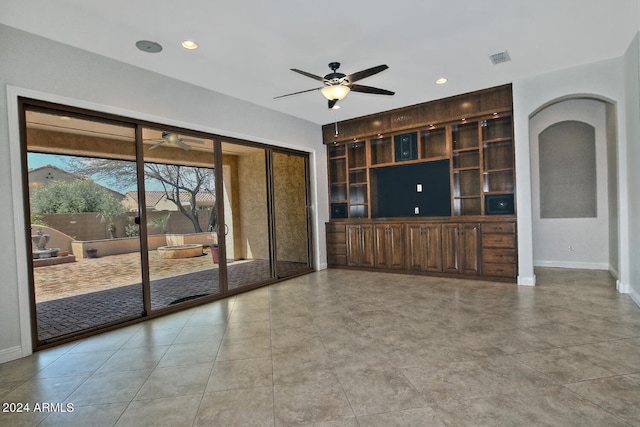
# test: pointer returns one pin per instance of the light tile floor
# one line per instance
(347, 348)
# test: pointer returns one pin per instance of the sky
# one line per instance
(36, 160)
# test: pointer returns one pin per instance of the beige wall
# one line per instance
(87, 226)
(290, 207)
(252, 205)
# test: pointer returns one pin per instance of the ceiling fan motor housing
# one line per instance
(335, 77)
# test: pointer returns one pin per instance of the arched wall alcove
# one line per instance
(574, 191)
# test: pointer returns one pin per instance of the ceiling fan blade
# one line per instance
(182, 145)
(153, 147)
(295, 93)
(366, 73)
(304, 73)
(332, 103)
(193, 141)
(369, 89)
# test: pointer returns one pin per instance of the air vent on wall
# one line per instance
(500, 57)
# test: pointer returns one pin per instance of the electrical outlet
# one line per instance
(416, 210)
(419, 188)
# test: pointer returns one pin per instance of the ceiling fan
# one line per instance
(173, 139)
(338, 85)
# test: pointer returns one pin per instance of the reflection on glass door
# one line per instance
(101, 188)
(181, 216)
(85, 246)
(246, 216)
(291, 214)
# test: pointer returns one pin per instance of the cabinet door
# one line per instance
(354, 244)
(470, 249)
(424, 247)
(395, 244)
(461, 248)
(415, 247)
(432, 236)
(450, 248)
(366, 249)
(382, 250)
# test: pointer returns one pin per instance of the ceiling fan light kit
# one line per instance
(336, 92)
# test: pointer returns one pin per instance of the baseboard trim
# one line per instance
(625, 288)
(11, 353)
(527, 281)
(614, 272)
(572, 264)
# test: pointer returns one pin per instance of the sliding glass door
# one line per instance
(246, 224)
(85, 249)
(291, 214)
(131, 219)
(180, 216)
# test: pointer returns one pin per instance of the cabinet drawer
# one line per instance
(499, 241)
(336, 249)
(335, 228)
(499, 270)
(499, 227)
(336, 238)
(499, 255)
(336, 259)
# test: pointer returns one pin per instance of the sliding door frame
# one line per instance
(25, 104)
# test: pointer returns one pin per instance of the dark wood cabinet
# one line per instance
(456, 154)
(389, 250)
(499, 256)
(424, 247)
(476, 138)
(336, 244)
(360, 245)
(470, 247)
(461, 248)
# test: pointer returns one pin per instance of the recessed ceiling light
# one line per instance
(148, 46)
(189, 44)
(441, 81)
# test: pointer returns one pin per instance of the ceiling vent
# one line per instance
(500, 57)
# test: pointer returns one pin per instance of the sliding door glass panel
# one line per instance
(246, 216)
(290, 212)
(180, 212)
(85, 245)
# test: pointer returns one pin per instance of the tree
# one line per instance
(180, 184)
(77, 197)
(160, 222)
(74, 197)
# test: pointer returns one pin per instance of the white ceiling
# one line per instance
(248, 46)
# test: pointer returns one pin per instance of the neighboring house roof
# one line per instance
(155, 198)
(151, 197)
